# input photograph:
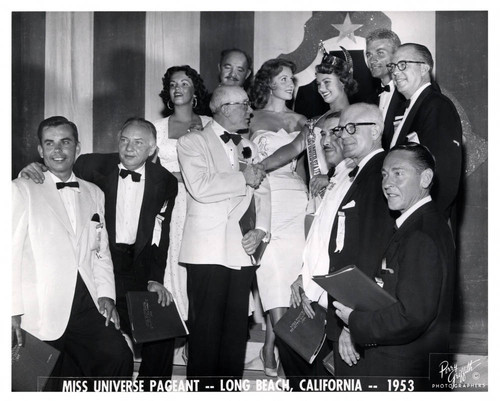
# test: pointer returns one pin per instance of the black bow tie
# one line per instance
(136, 177)
(226, 136)
(406, 103)
(71, 184)
(353, 172)
(381, 89)
(331, 172)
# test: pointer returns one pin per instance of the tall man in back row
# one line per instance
(381, 44)
(418, 269)
(220, 180)
(62, 275)
(430, 119)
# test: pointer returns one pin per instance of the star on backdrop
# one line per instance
(346, 29)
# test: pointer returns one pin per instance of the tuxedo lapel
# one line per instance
(55, 203)
(110, 189)
(148, 210)
(83, 210)
(219, 156)
(359, 177)
(405, 129)
(401, 231)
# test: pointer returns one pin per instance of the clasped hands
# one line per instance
(254, 174)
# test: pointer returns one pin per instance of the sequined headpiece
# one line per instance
(330, 59)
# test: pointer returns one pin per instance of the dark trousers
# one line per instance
(157, 357)
(297, 368)
(217, 320)
(89, 348)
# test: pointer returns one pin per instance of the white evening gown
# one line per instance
(282, 260)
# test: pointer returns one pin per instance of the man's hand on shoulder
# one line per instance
(107, 308)
(34, 172)
(164, 295)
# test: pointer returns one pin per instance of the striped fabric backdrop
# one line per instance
(99, 68)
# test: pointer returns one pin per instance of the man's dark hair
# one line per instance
(225, 52)
(422, 157)
(56, 121)
(423, 53)
(139, 121)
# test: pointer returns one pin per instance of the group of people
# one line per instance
(164, 216)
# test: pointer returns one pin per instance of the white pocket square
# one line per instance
(349, 205)
(413, 137)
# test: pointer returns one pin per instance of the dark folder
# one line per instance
(353, 288)
(150, 321)
(247, 223)
(32, 363)
(304, 335)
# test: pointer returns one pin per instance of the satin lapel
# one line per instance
(394, 104)
(405, 130)
(360, 176)
(110, 189)
(401, 231)
(55, 203)
(147, 215)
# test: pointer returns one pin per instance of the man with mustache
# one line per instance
(235, 68)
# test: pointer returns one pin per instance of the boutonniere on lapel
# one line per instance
(245, 155)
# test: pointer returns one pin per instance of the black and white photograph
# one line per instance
(257, 200)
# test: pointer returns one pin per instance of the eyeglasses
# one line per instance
(401, 65)
(246, 104)
(350, 128)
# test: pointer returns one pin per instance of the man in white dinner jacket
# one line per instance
(62, 274)
(220, 179)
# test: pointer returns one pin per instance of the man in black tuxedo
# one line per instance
(139, 198)
(362, 225)
(430, 119)
(418, 269)
(380, 47)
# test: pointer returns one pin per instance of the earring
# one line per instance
(195, 102)
(168, 105)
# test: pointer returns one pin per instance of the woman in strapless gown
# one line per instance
(184, 96)
(335, 82)
(273, 126)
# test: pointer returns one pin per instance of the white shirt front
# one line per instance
(316, 260)
(129, 198)
(229, 147)
(68, 197)
(413, 99)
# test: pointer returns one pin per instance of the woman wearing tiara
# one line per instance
(272, 126)
(335, 83)
(184, 96)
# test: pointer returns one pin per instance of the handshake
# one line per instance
(254, 174)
